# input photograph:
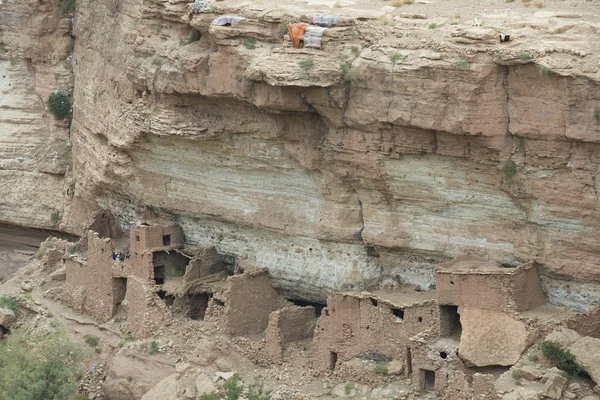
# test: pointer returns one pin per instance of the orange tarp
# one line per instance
(296, 32)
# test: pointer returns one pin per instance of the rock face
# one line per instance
(34, 148)
(491, 338)
(164, 390)
(330, 178)
(587, 353)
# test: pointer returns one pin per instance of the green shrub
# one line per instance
(517, 374)
(68, 7)
(213, 9)
(13, 61)
(91, 340)
(55, 217)
(380, 369)
(355, 50)
(398, 56)
(597, 115)
(544, 71)
(153, 349)
(526, 55)
(432, 25)
(157, 60)
(250, 43)
(39, 368)
(306, 64)
(348, 388)
(232, 387)
(533, 357)
(50, 314)
(256, 393)
(509, 170)
(60, 105)
(350, 76)
(121, 343)
(463, 64)
(210, 396)
(9, 302)
(564, 359)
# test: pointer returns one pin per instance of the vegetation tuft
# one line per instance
(526, 55)
(432, 25)
(282, 27)
(380, 369)
(9, 302)
(509, 170)
(153, 349)
(564, 359)
(68, 7)
(250, 43)
(517, 375)
(192, 38)
(597, 115)
(398, 57)
(256, 392)
(463, 64)
(544, 71)
(55, 217)
(39, 368)
(60, 105)
(233, 388)
(91, 340)
(351, 76)
(306, 64)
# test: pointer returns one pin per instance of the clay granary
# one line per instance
(433, 336)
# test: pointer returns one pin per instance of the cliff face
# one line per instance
(34, 149)
(334, 178)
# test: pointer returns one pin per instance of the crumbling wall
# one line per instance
(361, 324)
(90, 283)
(146, 312)
(248, 300)
(287, 325)
(204, 262)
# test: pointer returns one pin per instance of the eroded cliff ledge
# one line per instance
(337, 179)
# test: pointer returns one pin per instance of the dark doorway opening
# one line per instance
(166, 240)
(450, 321)
(303, 303)
(333, 356)
(428, 380)
(159, 274)
(119, 289)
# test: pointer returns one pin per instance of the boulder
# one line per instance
(59, 275)
(395, 368)
(224, 375)
(164, 390)
(491, 338)
(555, 384)
(129, 378)
(587, 352)
(521, 393)
(563, 336)
(531, 373)
(204, 384)
(7, 318)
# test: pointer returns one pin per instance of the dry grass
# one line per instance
(407, 1)
(337, 4)
(539, 4)
(396, 3)
(510, 1)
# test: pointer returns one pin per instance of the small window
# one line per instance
(399, 313)
(374, 302)
(166, 240)
(137, 238)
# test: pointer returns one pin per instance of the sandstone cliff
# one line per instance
(425, 144)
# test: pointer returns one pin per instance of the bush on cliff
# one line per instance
(39, 368)
(59, 105)
(564, 359)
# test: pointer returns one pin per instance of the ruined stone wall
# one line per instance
(155, 237)
(354, 325)
(90, 284)
(509, 290)
(249, 300)
(146, 312)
